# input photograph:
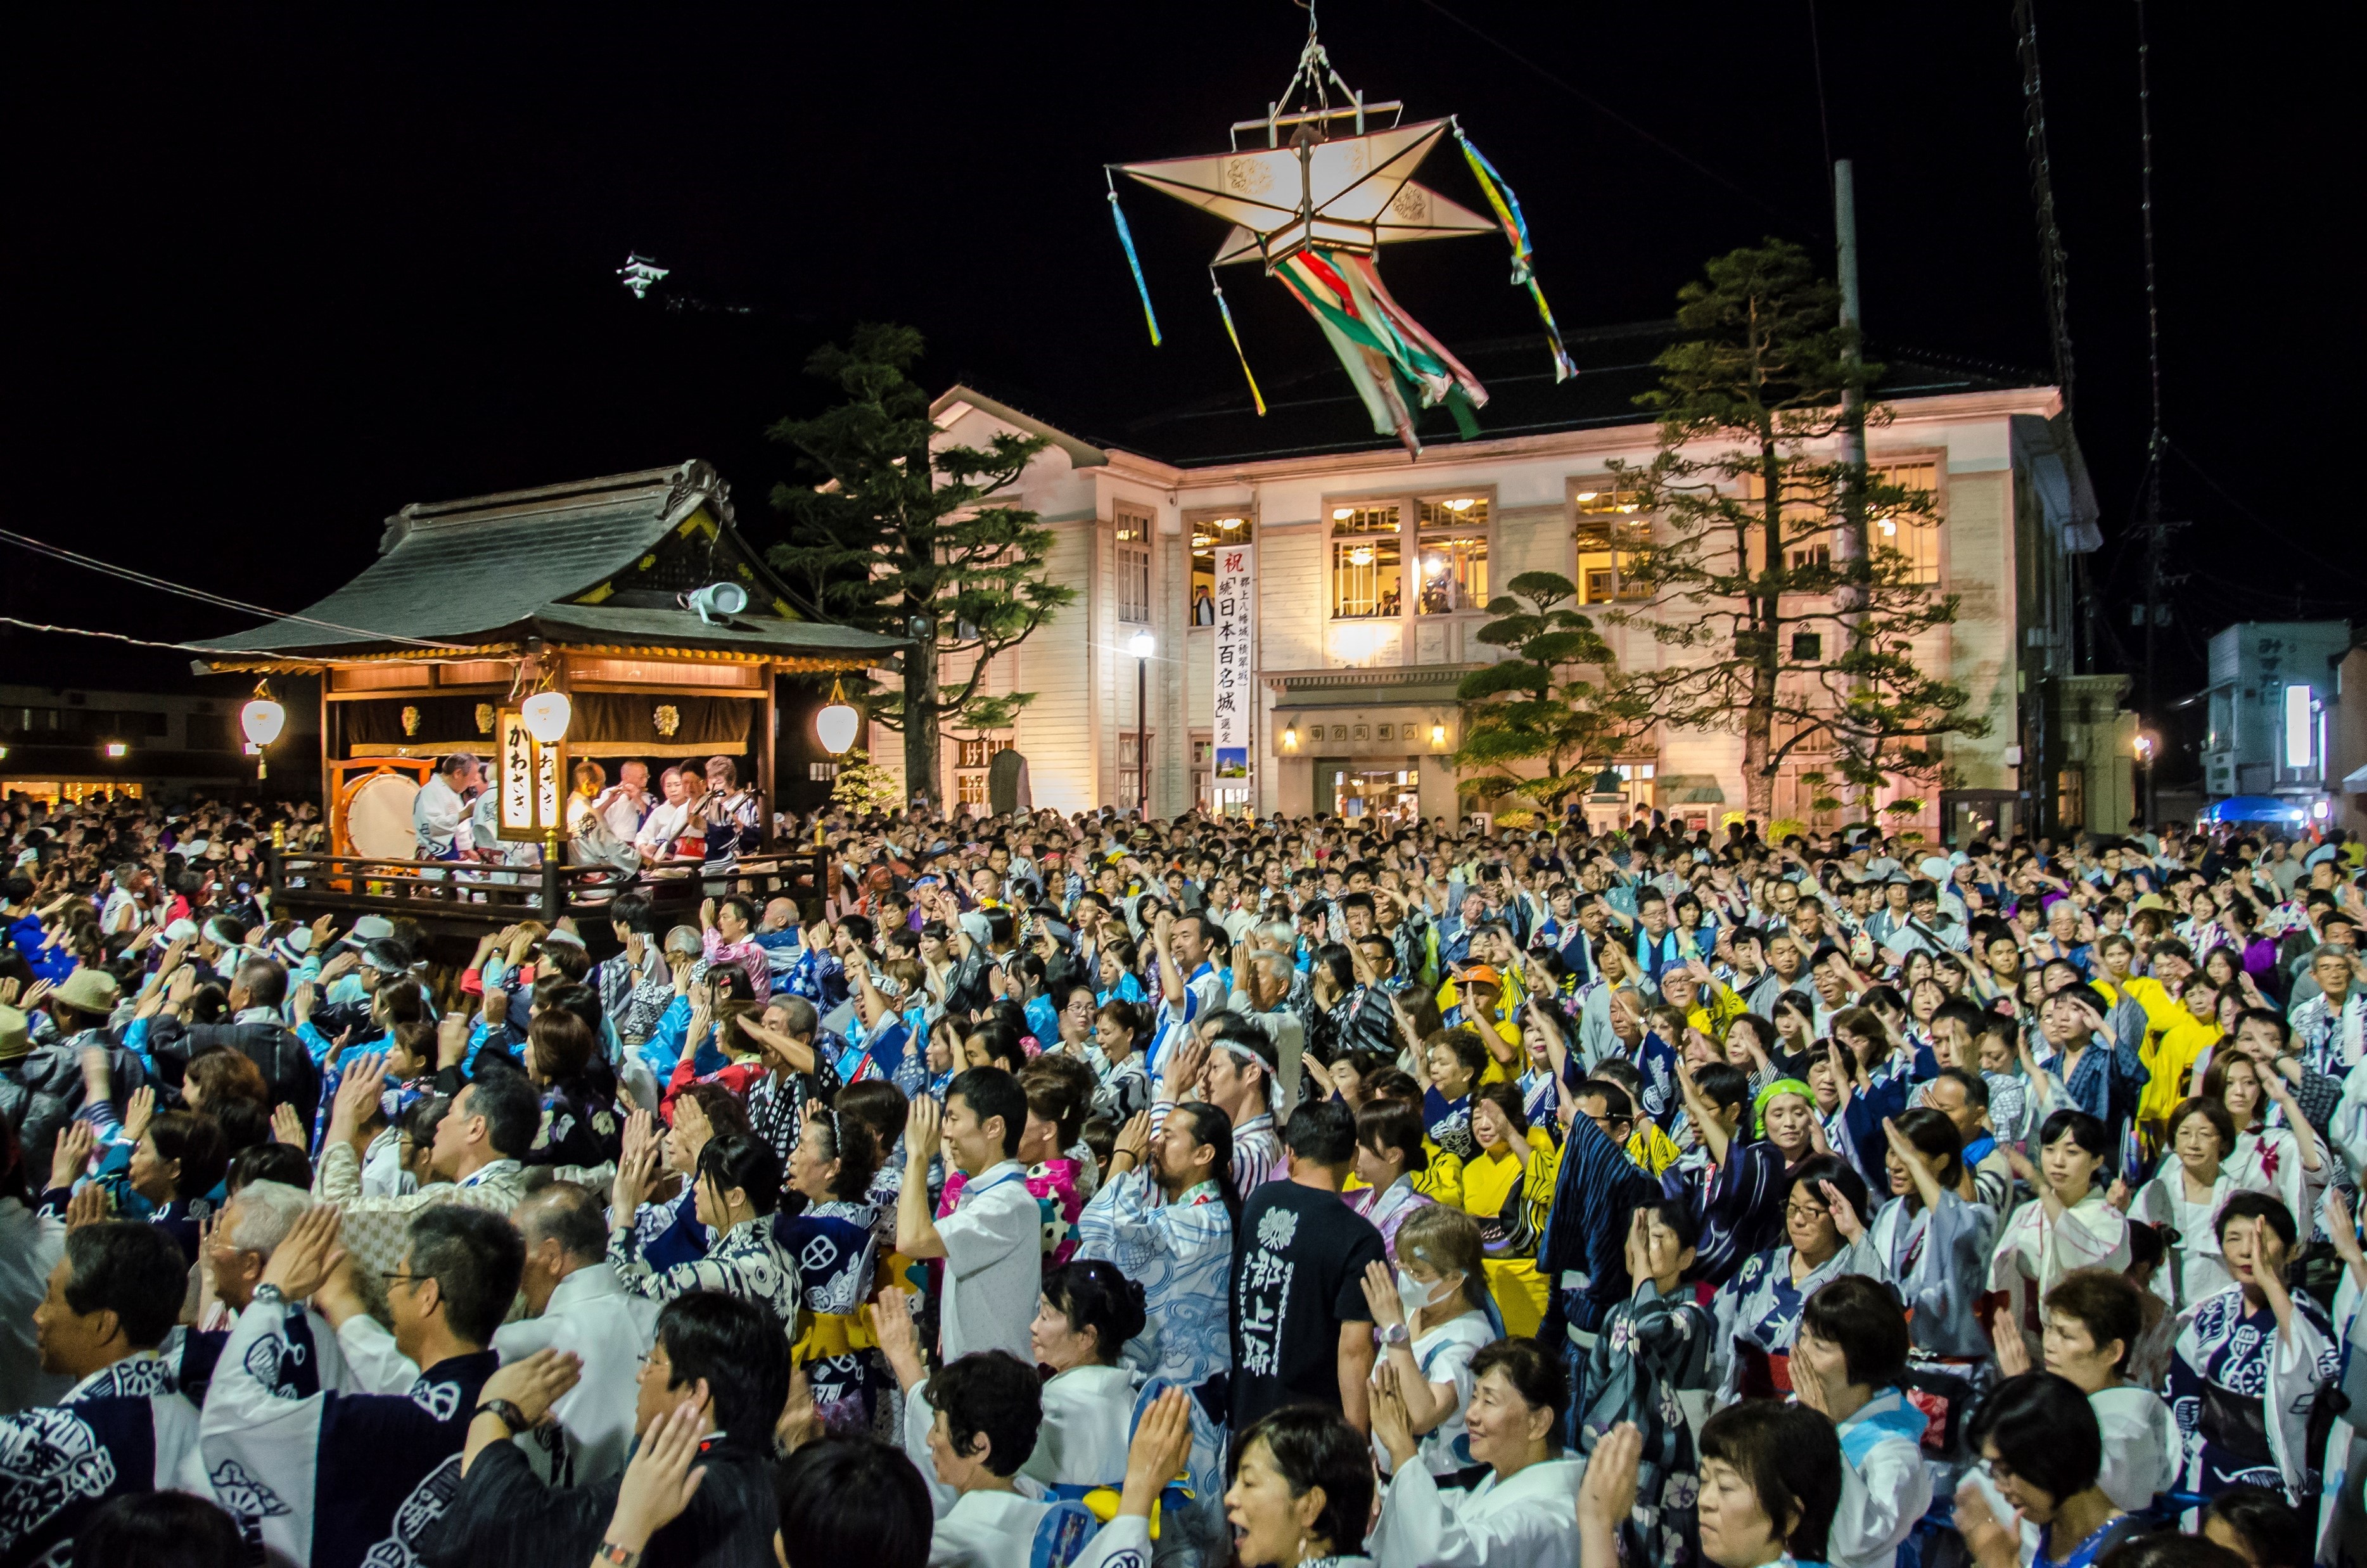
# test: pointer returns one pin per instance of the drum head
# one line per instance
(378, 817)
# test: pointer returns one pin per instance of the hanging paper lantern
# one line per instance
(262, 719)
(836, 724)
(546, 715)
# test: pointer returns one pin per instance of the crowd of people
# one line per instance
(1089, 1193)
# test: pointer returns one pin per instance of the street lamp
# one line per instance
(262, 720)
(1142, 644)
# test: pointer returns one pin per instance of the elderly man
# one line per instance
(439, 812)
(314, 1356)
(575, 1303)
(474, 1159)
(258, 988)
(627, 803)
(357, 1480)
(2330, 1028)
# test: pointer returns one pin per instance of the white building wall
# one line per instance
(1085, 679)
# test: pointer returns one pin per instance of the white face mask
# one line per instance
(1413, 1295)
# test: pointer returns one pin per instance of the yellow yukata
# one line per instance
(2169, 1064)
(1511, 1201)
(1442, 1182)
(1724, 1007)
(1652, 1150)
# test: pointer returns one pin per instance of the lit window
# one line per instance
(1915, 537)
(1364, 577)
(970, 788)
(1454, 574)
(1208, 534)
(1133, 566)
(1612, 524)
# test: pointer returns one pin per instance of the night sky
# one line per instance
(269, 278)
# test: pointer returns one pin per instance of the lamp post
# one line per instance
(546, 715)
(1142, 644)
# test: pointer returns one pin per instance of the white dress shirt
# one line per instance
(591, 1314)
(994, 1265)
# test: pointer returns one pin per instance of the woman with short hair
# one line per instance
(1518, 1514)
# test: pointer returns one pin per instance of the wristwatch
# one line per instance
(620, 1556)
(1395, 1333)
(509, 1415)
(270, 1294)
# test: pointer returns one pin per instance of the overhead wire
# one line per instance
(161, 585)
(1599, 106)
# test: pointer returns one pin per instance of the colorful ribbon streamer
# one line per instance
(1516, 229)
(1126, 238)
(1227, 312)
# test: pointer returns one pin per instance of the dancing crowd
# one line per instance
(1079, 1191)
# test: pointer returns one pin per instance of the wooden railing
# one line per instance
(450, 895)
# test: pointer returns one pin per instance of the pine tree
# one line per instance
(1535, 706)
(1746, 494)
(889, 537)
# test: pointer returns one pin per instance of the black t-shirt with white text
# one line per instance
(1298, 1274)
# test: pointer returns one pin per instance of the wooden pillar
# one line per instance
(766, 780)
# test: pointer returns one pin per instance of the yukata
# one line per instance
(747, 1261)
(1125, 1086)
(1182, 1253)
(1740, 1205)
(836, 1244)
(1447, 1122)
(2245, 1395)
(1651, 1346)
(2036, 1252)
(1937, 1260)
(777, 1104)
(124, 1430)
(2330, 1040)
(1511, 1198)
(1387, 1209)
(1757, 1316)
(1058, 1202)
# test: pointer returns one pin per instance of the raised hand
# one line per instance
(1607, 1496)
(87, 1207)
(452, 1032)
(661, 1481)
(922, 1126)
(358, 1097)
(1161, 1447)
(1391, 1423)
(302, 1263)
(900, 1342)
(1845, 1217)
(1381, 1295)
(2012, 1350)
(634, 1175)
(71, 1159)
(286, 1126)
(535, 1383)
(1134, 1139)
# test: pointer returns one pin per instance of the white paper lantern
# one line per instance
(546, 715)
(835, 726)
(262, 719)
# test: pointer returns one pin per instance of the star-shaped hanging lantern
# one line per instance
(1314, 205)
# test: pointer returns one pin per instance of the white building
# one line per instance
(1355, 671)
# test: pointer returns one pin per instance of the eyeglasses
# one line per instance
(1808, 1211)
(1997, 1470)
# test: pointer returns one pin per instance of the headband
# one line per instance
(1779, 1088)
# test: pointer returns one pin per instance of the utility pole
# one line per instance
(2156, 445)
(1850, 549)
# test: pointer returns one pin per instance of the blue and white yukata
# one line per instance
(836, 1246)
(124, 1430)
(2243, 1394)
(1182, 1252)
